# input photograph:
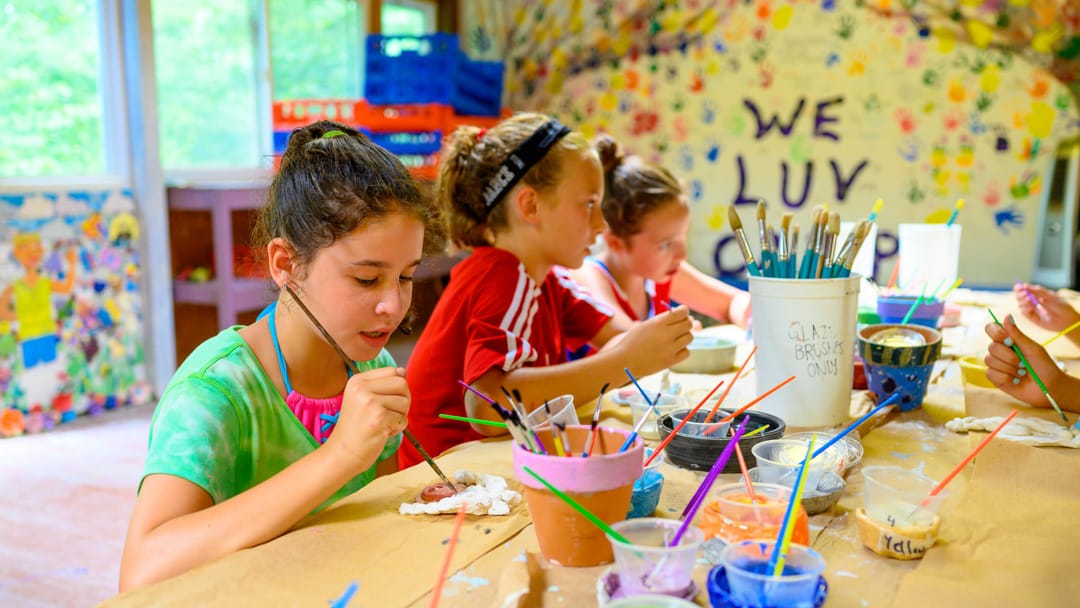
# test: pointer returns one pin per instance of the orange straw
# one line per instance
(446, 561)
(963, 463)
(746, 475)
(727, 390)
(667, 440)
(892, 277)
(742, 409)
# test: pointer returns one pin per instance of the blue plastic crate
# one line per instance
(409, 142)
(431, 69)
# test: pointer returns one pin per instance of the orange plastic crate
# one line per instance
(291, 114)
(405, 117)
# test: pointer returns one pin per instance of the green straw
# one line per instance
(1031, 370)
(914, 305)
(599, 523)
(473, 420)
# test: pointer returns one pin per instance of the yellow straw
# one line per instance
(1062, 333)
(756, 431)
(955, 284)
(796, 498)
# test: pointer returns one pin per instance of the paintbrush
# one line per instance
(793, 252)
(811, 239)
(595, 421)
(355, 370)
(753, 402)
(859, 234)
(519, 403)
(1031, 371)
(819, 244)
(832, 231)
(955, 212)
(785, 249)
(1063, 332)
(710, 478)
(480, 421)
(510, 419)
(774, 257)
(766, 245)
(744, 245)
(878, 204)
(787, 527)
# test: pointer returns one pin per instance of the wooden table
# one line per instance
(395, 558)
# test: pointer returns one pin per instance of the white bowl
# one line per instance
(708, 355)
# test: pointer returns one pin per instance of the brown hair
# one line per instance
(471, 158)
(633, 188)
(333, 179)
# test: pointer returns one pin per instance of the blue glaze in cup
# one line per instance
(646, 495)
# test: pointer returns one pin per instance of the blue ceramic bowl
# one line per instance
(720, 593)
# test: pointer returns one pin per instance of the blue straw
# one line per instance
(796, 492)
(343, 601)
(855, 424)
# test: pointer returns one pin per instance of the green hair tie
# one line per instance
(330, 134)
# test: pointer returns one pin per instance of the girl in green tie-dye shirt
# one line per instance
(262, 424)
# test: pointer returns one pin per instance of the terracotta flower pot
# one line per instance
(602, 483)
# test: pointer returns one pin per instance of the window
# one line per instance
(404, 18)
(204, 58)
(51, 117)
(316, 49)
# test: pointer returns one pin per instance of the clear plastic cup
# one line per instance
(752, 584)
(646, 495)
(561, 410)
(697, 426)
(779, 460)
(648, 564)
(667, 404)
(733, 517)
(893, 495)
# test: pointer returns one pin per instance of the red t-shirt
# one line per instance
(492, 315)
(659, 293)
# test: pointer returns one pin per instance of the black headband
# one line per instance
(518, 163)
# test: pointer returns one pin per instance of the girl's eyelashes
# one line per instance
(405, 279)
(375, 281)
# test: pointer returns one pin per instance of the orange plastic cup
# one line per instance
(733, 517)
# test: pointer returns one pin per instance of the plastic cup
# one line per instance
(648, 564)
(893, 309)
(697, 426)
(562, 410)
(746, 565)
(733, 517)
(929, 256)
(779, 460)
(893, 495)
(806, 328)
(667, 404)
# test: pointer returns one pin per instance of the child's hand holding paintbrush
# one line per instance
(1012, 376)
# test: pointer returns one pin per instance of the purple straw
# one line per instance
(714, 472)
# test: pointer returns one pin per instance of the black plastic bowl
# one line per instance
(699, 453)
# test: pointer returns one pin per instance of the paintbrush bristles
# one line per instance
(733, 218)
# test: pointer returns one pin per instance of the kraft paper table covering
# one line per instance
(395, 558)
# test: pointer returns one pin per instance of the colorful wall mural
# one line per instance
(815, 102)
(70, 308)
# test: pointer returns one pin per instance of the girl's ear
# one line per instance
(526, 203)
(281, 259)
(614, 243)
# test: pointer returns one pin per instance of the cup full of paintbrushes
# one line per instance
(899, 358)
(602, 483)
(649, 563)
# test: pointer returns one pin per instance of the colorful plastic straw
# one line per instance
(892, 277)
(697, 493)
(1067, 330)
(967, 459)
(727, 390)
(473, 420)
(675, 431)
(742, 409)
(746, 476)
(596, 521)
(1031, 370)
(446, 560)
(955, 284)
(703, 490)
(780, 549)
(854, 425)
(346, 597)
(760, 429)
(914, 306)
